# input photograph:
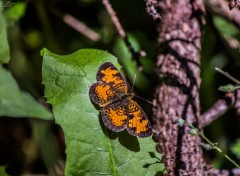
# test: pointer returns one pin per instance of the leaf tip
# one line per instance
(43, 51)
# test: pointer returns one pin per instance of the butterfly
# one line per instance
(118, 110)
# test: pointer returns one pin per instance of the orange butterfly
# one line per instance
(118, 110)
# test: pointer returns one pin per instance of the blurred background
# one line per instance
(34, 146)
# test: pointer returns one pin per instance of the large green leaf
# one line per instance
(91, 149)
(16, 103)
(4, 48)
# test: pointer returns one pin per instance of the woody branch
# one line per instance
(221, 7)
(231, 100)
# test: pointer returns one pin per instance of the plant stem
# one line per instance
(214, 146)
(227, 75)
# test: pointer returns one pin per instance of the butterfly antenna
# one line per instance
(144, 99)
(133, 81)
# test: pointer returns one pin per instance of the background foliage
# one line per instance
(36, 145)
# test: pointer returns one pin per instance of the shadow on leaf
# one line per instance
(158, 160)
(128, 141)
(125, 139)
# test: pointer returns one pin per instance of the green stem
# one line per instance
(237, 87)
(227, 75)
(212, 144)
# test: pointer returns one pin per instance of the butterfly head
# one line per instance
(131, 95)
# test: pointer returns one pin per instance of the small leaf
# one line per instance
(227, 88)
(236, 148)
(192, 132)
(4, 48)
(206, 146)
(91, 149)
(180, 122)
(16, 103)
(221, 24)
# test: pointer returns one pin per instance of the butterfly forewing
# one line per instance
(109, 74)
(102, 93)
(110, 85)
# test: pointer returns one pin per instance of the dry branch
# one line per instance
(81, 27)
(221, 8)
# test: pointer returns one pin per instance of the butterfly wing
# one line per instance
(114, 116)
(102, 93)
(109, 74)
(138, 123)
(110, 85)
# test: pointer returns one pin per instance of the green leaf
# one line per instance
(16, 103)
(91, 149)
(2, 171)
(221, 23)
(227, 88)
(4, 48)
(236, 148)
(130, 65)
(15, 12)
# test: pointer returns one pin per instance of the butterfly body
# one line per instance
(118, 110)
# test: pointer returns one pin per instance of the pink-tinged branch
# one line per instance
(81, 27)
(220, 107)
(221, 7)
(114, 17)
(234, 3)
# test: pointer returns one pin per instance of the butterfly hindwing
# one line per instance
(138, 123)
(114, 116)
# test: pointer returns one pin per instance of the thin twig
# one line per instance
(221, 106)
(135, 54)
(212, 145)
(115, 20)
(227, 75)
(81, 27)
(77, 25)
